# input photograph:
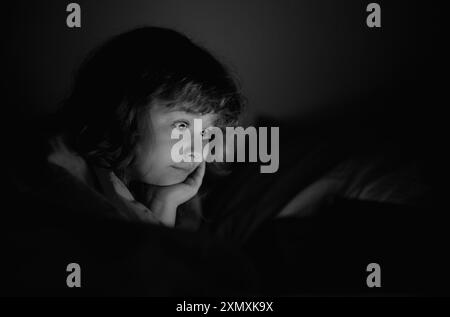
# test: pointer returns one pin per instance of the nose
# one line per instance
(193, 151)
(191, 156)
(192, 146)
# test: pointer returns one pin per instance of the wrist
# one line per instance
(165, 211)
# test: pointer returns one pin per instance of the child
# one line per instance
(114, 130)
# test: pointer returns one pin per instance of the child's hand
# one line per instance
(166, 199)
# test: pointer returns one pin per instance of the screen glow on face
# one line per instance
(153, 163)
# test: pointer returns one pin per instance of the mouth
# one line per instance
(185, 168)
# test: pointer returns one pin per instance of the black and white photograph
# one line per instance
(225, 154)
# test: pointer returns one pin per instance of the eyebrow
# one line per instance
(191, 113)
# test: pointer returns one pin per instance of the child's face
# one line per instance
(153, 163)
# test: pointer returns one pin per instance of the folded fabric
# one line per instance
(108, 183)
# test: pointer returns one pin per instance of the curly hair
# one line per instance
(120, 80)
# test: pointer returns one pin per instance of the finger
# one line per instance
(195, 178)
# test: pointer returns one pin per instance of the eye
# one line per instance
(181, 125)
(207, 134)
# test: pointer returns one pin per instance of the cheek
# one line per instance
(161, 152)
(153, 159)
(156, 155)
(163, 149)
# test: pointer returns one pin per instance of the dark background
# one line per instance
(294, 58)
